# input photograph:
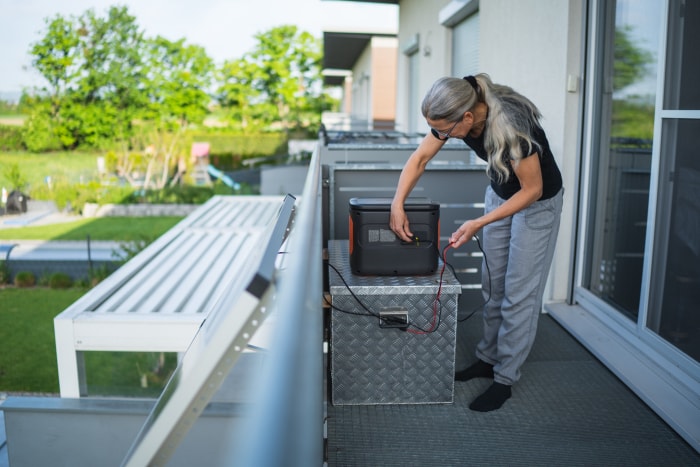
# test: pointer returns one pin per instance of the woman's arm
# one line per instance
(529, 175)
(412, 171)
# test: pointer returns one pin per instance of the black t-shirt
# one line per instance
(551, 177)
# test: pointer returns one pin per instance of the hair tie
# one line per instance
(471, 80)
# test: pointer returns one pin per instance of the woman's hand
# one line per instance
(398, 222)
(530, 177)
(412, 170)
(464, 233)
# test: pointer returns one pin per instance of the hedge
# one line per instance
(235, 146)
(228, 150)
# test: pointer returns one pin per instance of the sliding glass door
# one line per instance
(674, 310)
(627, 48)
(642, 243)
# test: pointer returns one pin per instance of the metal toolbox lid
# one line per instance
(383, 285)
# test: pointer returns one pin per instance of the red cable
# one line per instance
(436, 303)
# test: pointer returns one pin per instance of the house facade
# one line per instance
(363, 65)
(616, 82)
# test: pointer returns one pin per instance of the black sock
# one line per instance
(492, 399)
(480, 369)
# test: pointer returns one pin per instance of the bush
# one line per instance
(39, 135)
(64, 194)
(43, 280)
(97, 275)
(4, 273)
(14, 176)
(11, 138)
(75, 195)
(132, 248)
(183, 194)
(25, 279)
(60, 280)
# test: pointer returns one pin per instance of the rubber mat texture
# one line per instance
(567, 409)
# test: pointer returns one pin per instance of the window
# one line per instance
(463, 17)
(465, 47)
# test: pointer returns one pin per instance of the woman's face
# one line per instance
(472, 124)
(443, 129)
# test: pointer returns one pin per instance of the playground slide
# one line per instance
(228, 181)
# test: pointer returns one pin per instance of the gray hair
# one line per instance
(511, 117)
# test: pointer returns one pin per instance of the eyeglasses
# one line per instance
(441, 135)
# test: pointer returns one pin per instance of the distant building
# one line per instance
(364, 66)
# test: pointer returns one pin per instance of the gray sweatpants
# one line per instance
(519, 251)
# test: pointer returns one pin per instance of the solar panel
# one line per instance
(213, 352)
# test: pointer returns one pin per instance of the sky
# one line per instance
(225, 28)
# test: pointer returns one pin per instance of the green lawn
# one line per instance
(28, 350)
(27, 344)
(120, 229)
(60, 166)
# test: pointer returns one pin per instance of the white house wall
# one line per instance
(421, 17)
(534, 46)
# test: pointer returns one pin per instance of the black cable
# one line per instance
(374, 314)
(369, 312)
(488, 271)
(330, 304)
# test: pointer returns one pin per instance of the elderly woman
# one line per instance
(520, 222)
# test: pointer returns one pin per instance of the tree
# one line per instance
(104, 75)
(113, 71)
(278, 83)
(94, 71)
(179, 77)
(177, 81)
(56, 58)
(160, 151)
(237, 95)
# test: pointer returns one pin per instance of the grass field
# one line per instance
(60, 166)
(27, 344)
(28, 350)
(120, 229)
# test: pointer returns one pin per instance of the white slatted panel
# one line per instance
(158, 300)
(190, 269)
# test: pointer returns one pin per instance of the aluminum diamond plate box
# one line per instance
(372, 364)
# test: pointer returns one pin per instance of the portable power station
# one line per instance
(376, 250)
